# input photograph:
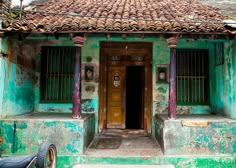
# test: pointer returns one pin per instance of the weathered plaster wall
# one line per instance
(17, 78)
(161, 91)
(161, 54)
(223, 82)
(48, 41)
(89, 89)
(47, 130)
(206, 136)
(23, 71)
(20, 72)
(23, 136)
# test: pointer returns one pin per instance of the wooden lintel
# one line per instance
(22, 36)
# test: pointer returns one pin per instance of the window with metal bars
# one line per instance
(192, 76)
(57, 74)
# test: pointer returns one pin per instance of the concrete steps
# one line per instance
(148, 162)
(121, 166)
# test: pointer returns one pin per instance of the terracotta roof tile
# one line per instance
(120, 15)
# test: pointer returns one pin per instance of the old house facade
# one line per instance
(71, 69)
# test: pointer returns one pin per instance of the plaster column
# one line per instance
(76, 110)
(172, 44)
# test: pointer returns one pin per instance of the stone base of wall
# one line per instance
(23, 134)
(196, 135)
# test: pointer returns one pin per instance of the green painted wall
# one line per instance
(24, 80)
(161, 54)
(187, 136)
(23, 136)
(17, 80)
(20, 76)
(177, 161)
(19, 94)
(223, 82)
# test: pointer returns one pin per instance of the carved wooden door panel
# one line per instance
(116, 97)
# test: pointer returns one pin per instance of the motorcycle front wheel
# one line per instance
(47, 156)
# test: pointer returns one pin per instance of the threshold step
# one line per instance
(121, 166)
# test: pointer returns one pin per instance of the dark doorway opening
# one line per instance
(134, 97)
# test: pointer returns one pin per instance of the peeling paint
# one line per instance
(69, 136)
(189, 136)
(223, 83)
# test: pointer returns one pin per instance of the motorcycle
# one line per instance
(46, 157)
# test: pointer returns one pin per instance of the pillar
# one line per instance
(172, 44)
(76, 110)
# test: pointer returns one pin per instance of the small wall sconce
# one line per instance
(162, 75)
(162, 71)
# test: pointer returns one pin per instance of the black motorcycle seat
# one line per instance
(16, 161)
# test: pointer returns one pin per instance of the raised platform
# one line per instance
(23, 134)
(196, 135)
(138, 148)
(185, 141)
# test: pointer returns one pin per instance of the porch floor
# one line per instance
(124, 143)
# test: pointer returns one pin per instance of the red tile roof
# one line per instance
(120, 15)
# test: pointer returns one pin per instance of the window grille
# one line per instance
(57, 74)
(192, 76)
(219, 53)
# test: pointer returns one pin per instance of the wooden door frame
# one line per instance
(109, 49)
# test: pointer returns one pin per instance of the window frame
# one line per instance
(206, 85)
(43, 61)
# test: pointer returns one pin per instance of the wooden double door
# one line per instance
(125, 97)
(125, 88)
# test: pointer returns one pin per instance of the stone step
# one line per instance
(121, 166)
